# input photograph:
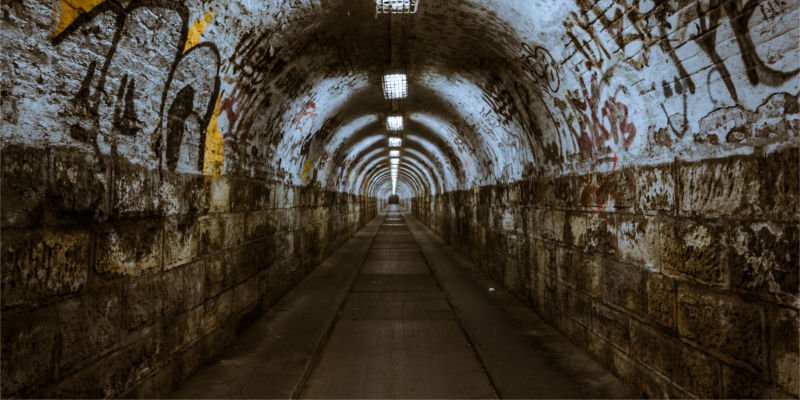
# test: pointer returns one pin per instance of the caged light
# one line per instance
(395, 142)
(395, 161)
(396, 6)
(395, 86)
(394, 123)
(394, 153)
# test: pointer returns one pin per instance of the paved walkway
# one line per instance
(397, 314)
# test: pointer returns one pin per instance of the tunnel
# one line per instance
(400, 198)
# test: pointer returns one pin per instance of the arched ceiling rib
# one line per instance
(414, 167)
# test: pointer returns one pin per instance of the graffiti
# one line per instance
(309, 110)
(197, 29)
(541, 67)
(772, 8)
(662, 15)
(214, 150)
(70, 10)
(520, 104)
(706, 38)
(592, 50)
(255, 59)
(679, 122)
(626, 25)
(323, 135)
(125, 119)
(603, 120)
(593, 28)
(529, 119)
(112, 95)
(757, 72)
(708, 18)
(488, 118)
(500, 99)
(306, 175)
(706, 25)
(176, 124)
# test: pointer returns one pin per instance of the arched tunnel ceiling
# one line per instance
(497, 89)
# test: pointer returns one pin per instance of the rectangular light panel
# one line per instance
(395, 161)
(395, 142)
(396, 6)
(394, 123)
(395, 86)
(394, 153)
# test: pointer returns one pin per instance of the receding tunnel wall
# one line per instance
(629, 167)
(136, 243)
(659, 227)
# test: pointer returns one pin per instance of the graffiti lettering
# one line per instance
(500, 99)
(757, 72)
(706, 38)
(603, 124)
(679, 122)
(541, 67)
(772, 8)
(190, 70)
(309, 110)
(626, 25)
(592, 50)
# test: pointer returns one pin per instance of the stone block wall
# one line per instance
(681, 278)
(118, 280)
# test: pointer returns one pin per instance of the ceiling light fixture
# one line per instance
(394, 123)
(395, 142)
(394, 153)
(395, 161)
(395, 86)
(396, 6)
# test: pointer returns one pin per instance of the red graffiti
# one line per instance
(602, 122)
(233, 106)
(308, 111)
(228, 103)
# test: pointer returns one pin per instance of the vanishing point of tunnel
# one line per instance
(400, 198)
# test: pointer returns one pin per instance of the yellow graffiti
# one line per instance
(215, 153)
(70, 10)
(305, 176)
(197, 29)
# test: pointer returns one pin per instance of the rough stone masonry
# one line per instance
(628, 168)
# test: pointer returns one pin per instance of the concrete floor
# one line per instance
(397, 314)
